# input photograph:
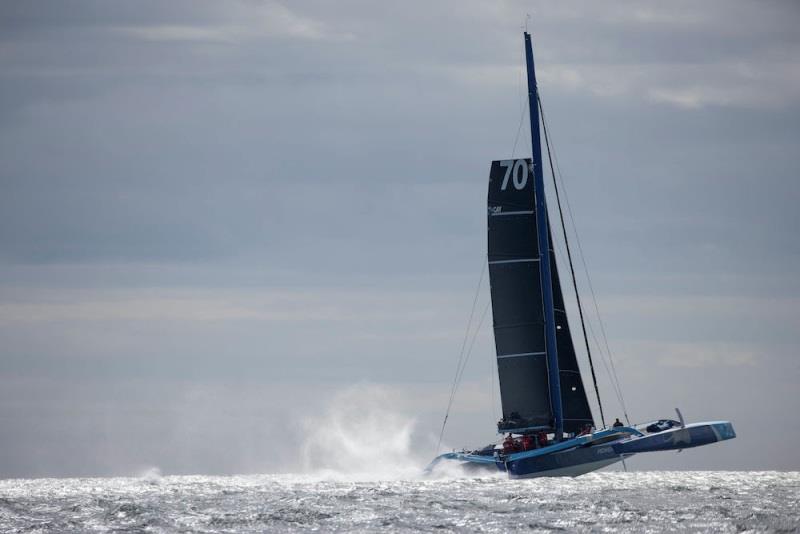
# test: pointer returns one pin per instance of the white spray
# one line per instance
(362, 434)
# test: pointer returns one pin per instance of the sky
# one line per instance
(234, 232)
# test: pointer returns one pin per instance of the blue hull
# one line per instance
(693, 435)
(584, 454)
(573, 462)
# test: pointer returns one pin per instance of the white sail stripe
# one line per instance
(523, 260)
(501, 213)
(499, 356)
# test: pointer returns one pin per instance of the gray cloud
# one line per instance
(292, 195)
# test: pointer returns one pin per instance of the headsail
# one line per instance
(574, 403)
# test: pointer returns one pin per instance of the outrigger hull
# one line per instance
(583, 454)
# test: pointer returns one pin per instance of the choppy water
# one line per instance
(632, 502)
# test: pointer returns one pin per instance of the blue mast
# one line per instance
(544, 247)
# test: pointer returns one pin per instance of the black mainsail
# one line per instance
(518, 310)
(517, 302)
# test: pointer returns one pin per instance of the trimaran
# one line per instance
(549, 427)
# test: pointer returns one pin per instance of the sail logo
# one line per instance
(517, 171)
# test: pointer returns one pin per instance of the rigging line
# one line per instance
(461, 354)
(491, 390)
(599, 348)
(613, 374)
(606, 354)
(569, 259)
(461, 363)
(463, 360)
(474, 337)
(492, 364)
(603, 357)
(497, 410)
(463, 367)
(604, 360)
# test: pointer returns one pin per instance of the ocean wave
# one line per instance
(626, 502)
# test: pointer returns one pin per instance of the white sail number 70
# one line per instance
(520, 179)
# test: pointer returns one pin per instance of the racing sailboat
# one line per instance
(547, 422)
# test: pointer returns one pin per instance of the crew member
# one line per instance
(542, 439)
(618, 423)
(508, 444)
(527, 442)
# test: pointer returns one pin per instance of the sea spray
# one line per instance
(362, 434)
(151, 475)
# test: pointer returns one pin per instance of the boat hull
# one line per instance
(567, 470)
(564, 464)
(588, 453)
(686, 437)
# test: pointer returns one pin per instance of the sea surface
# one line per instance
(597, 502)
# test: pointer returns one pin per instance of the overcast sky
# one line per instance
(224, 224)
